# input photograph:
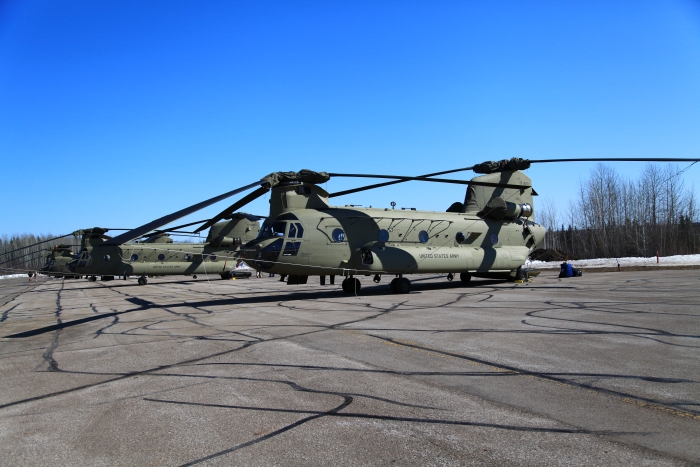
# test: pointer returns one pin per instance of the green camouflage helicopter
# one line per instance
(157, 255)
(57, 262)
(490, 234)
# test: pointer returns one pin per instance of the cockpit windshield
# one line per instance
(274, 229)
(278, 229)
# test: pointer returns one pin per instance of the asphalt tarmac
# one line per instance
(602, 369)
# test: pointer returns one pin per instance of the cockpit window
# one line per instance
(295, 230)
(275, 229)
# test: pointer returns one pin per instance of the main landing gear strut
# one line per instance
(400, 285)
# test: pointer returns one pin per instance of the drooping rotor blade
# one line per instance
(38, 243)
(251, 217)
(233, 208)
(437, 180)
(33, 253)
(174, 229)
(379, 185)
(619, 159)
(169, 233)
(138, 231)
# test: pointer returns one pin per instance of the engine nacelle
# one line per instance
(498, 209)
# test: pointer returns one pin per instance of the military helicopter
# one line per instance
(489, 235)
(57, 262)
(156, 254)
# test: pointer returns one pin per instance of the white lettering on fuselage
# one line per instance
(438, 256)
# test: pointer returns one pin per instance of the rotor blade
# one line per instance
(38, 243)
(437, 180)
(138, 231)
(379, 185)
(233, 208)
(252, 217)
(33, 253)
(619, 159)
(174, 229)
(169, 234)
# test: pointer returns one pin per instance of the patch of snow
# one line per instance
(678, 260)
(13, 276)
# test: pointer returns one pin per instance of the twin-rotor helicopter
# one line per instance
(489, 234)
(155, 254)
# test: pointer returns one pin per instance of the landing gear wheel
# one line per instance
(522, 274)
(351, 285)
(465, 277)
(377, 278)
(403, 285)
(143, 280)
(92, 278)
(450, 277)
(227, 276)
(392, 285)
(194, 276)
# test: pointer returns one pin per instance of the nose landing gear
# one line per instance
(143, 280)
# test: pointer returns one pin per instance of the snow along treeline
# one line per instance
(677, 260)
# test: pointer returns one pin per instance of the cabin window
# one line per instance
(212, 257)
(338, 235)
(460, 237)
(423, 236)
(187, 257)
(494, 238)
(161, 257)
(134, 257)
(383, 235)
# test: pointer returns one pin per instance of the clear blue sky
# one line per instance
(114, 113)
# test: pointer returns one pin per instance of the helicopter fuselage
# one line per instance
(159, 256)
(153, 259)
(349, 240)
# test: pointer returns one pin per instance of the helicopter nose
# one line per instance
(263, 254)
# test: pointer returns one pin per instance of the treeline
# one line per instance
(614, 217)
(20, 253)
